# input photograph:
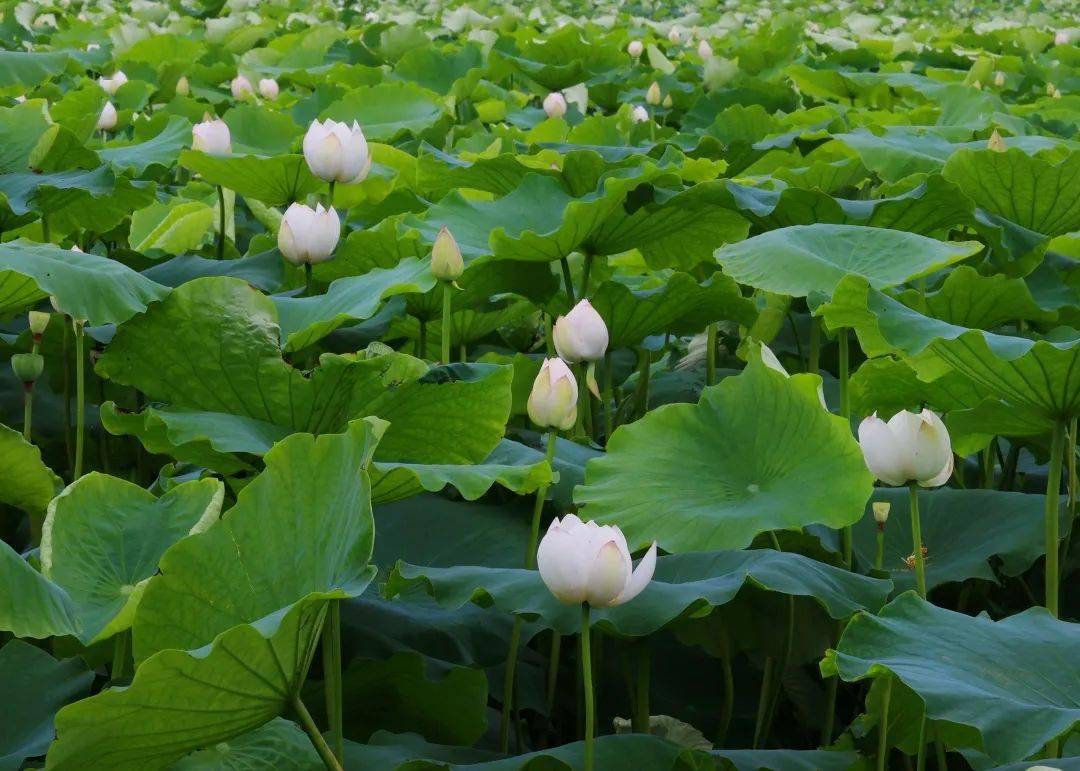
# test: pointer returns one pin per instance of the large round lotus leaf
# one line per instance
(103, 537)
(1015, 681)
(280, 745)
(25, 481)
(757, 453)
(32, 605)
(804, 259)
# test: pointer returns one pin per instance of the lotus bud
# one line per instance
(183, 88)
(337, 153)
(1050, 89)
(581, 335)
(667, 103)
(112, 85)
(446, 262)
(652, 96)
(27, 367)
(1056, 94)
(639, 114)
(881, 513)
(704, 50)
(675, 35)
(1061, 38)
(107, 120)
(635, 48)
(911, 447)
(555, 105)
(977, 84)
(554, 396)
(585, 562)
(211, 136)
(999, 79)
(996, 142)
(241, 87)
(268, 87)
(39, 322)
(308, 235)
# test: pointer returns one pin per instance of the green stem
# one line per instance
(28, 410)
(844, 367)
(568, 281)
(831, 690)
(939, 749)
(80, 400)
(883, 727)
(879, 556)
(920, 758)
(583, 397)
(608, 388)
(587, 682)
(988, 467)
(729, 700)
(46, 231)
(307, 279)
(1053, 495)
(640, 718)
(553, 670)
(763, 699)
(641, 401)
(710, 354)
(813, 362)
(317, 739)
(916, 539)
(846, 543)
(446, 323)
(69, 443)
(1070, 459)
(331, 646)
(121, 650)
(221, 223)
(785, 656)
(330, 193)
(585, 272)
(423, 339)
(515, 634)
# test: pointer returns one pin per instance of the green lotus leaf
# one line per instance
(305, 320)
(803, 259)
(510, 465)
(175, 226)
(382, 246)
(439, 173)
(315, 491)
(31, 605)
(441, 71)
(679, 304)
(257, 130)
(103, 537)
(962, 531)
(933, 206)
(1006, 679)
(279, 744)
(97, 200)
(78, 110)
(25, 481)
(36, 686)
(887, 385)
(1035, 375)
(162, 149)
(60, 150)
(684, 585)
(790, 760)
(968, 299)
(735, 472)
(276, 181)
(388, 111)
(21, 127)
(467, 326)
(265, 270)
(30, 69)
(1035, 194)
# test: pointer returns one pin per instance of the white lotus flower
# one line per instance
(1061, 38)
(909, 448)
(555, 105)
(581, 335)
(585, 562)
(112, 85)
(268, 87)
(337, 153)
(639, 114)
(635, 48)
(446, 262)
(241, 87)
(675, 34)
(107, 120)
(211, 136)
(554, 396)
(704, 50)
(183, 88)
(308, 235)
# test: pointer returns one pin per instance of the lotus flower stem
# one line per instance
(763, 700)
(920, 758)
(28, 409)
(883, 727)
(1053, 499)
(422, 341)
(330, 193)
(916, 539)
(446, 323)
(830, 710)
(68, 443)
(221, 223)
(844, 366)
(640, 718)
(331, 646)
(587, 683)
(307, 279)
(879, 556)
(585, 272)
(785, 656)
(317, 739)
(608, 389)
(813, 361)
(80, 400)
(641, 398)
(553, 669)
(568, 281)
(710, 354)
(46, 231)
(515, 634)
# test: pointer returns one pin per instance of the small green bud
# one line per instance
(27, 366)
(446, 262)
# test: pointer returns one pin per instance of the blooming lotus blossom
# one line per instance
(586, 562)
(107, 119)
(337, 153)
(554, 396)
(211, 136)
(911, 447)
(308, 235)
(112, 85)
(639, 114)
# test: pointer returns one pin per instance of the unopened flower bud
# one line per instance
(999, 78)
(446, 262)
(639, 114)
(112, 85)
(635, 48)
(183, 88)
(996, 142)
(336, 152)
(554, 396)
(241, 87)
(704, 50)
(107, 120)
(212, 136)
(268, 87)
(555, 105)
(652, 95)
(881, 513)
(581, 335)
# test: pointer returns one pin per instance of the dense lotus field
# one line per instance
(551, 385)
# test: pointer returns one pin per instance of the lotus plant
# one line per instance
(336, 152)
(241, 87)
(582, 336)
(112, 85)
(555, 105)
(308, 236)
(268, 88)
(447, 266)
